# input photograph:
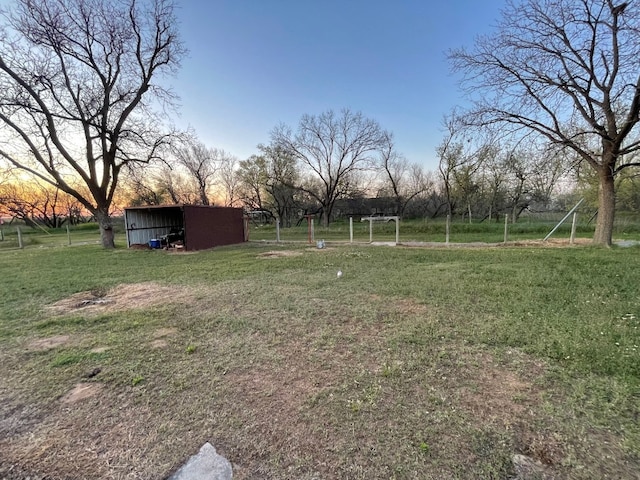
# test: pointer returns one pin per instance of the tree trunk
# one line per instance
(106, 228)
(326, 214)
(606, 207)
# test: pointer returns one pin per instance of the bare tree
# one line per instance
(567, 70)
(403, 180)
(228, 179)
(178, 186)
(451, 155)
(282, 182)
(201, 163)
(144, 187)
(333, 147)
(35, 203)
(495, 178)
(76, 82)
(252, 173)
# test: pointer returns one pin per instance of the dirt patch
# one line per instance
(404, 306)
(558, 242)
(165, 332)
(280, 254)
(43, 344)
(552, 242)
(160, 337)
(82, 391)
(122, 297)
(494, 393)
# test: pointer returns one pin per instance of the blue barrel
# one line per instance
(155, 243)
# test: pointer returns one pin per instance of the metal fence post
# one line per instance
(506, 227)
(573, 228)
(350, 229)
(447, 229)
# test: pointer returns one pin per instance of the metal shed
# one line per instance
(202, 226)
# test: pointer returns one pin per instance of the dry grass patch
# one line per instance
(106, 435)
(49, 343)
(122, 297)
(280, 254)
(82, 391)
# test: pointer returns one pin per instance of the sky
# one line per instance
(253, 64)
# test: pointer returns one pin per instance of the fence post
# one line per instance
(573, 228)
(19, 238)
(313, 232)
(447, 230)
(68, 235)
(506, 227)
(350, 229)
(397, 230)
(370, 229)
(1, 236)
(278, 230)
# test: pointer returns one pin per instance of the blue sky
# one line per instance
(255, 63)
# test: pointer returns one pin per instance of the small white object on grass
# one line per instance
(339, 273)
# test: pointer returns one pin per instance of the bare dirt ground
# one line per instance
(519, 243)
(321, 401)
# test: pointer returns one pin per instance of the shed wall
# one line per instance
(208, 227)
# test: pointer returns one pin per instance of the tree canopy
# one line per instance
(334, 147)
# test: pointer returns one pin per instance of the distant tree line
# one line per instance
(352, 169)
(480, 178)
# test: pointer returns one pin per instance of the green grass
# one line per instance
(417, 363)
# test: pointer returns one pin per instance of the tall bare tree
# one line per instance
(202, 164)
(334, 147)
(568, 70)
(403, 180)
(77, 79)
(451, 156)
(228, 180)
(253, 179)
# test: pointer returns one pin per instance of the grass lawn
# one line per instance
(438, 363)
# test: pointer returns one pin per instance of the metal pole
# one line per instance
(563, 219)
(350, 229)
(506, 227)
(573, 228)
(370, 230)
(397, 230)
(278, 230)
(68, 235)
(19, 238)
(447, 230)
(313, 233)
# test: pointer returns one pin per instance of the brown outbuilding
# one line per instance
(191, 227)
